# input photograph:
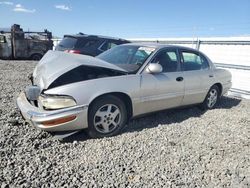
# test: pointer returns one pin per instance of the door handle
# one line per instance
(210, 76)
(179, 79)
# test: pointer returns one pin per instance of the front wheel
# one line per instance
(107, 117)
(211, 98)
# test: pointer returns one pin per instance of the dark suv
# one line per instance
(91, 45)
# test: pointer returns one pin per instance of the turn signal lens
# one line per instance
(58, 121)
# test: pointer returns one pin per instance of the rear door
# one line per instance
(166, 89)
(198, 77)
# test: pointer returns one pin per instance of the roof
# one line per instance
(239, 38)
(82, 35)
(159, 45)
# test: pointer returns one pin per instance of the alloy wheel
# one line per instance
(212, 98)
(107, 118)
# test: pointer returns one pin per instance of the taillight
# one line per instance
(73, 51)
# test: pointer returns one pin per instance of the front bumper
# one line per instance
(37, 116)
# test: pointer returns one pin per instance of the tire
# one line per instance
(36, 57)
(107, 117)
(211, 99)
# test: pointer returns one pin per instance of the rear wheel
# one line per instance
(36, 57)
(211, 98)
(107, 117)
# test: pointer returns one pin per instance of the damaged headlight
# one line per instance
(56, 102)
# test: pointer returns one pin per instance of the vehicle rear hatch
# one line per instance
(67, 43)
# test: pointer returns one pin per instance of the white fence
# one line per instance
(232, 53)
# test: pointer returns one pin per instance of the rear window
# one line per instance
(86, 43)
(68, 42)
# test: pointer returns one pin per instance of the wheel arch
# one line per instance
(219, 85)
(122, 96)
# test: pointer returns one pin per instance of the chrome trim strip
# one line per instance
(57, 112)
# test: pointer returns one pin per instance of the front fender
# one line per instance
(85, 92)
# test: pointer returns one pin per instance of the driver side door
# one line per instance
(162, 90)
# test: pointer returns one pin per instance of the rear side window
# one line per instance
(90, 43)
(193, 61)
(68, 42)
(86, 43)
(107, 45)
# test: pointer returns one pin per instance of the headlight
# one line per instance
(56, 102)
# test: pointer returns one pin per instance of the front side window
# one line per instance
(168, 60)
(193, 61)
(129, 57)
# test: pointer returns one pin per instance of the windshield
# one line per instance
(128, 57)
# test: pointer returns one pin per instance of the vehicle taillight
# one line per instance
(73, 51)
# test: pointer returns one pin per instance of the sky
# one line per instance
(130, 18)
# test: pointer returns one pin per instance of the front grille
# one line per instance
(32, 92)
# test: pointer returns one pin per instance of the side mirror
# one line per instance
(154, 68)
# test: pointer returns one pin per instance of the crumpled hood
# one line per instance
(55, 63)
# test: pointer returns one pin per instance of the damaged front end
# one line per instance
(70, 118)
(57, 111)
(65, 68)
(84, 73)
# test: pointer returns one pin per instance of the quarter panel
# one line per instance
(224, 77)
(197, 84)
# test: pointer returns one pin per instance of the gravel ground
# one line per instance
(174, 148)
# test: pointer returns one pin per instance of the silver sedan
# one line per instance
(72, 92)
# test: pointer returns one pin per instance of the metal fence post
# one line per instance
(198, 44)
